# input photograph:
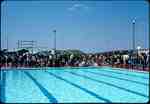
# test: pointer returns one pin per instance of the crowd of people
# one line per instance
(27, 59)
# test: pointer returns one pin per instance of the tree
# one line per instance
(20, 52)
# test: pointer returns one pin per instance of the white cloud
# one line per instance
(77, 6)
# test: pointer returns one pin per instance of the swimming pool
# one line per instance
(63, 85)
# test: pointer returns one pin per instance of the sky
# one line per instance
(91, 26)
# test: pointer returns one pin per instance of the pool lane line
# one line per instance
(109, 84)
(123, 73)
(51, 98)
(106, 75)
(80, 87)
(2, 87)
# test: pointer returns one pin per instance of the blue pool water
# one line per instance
(65, 85)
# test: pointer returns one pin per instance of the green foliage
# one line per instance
(22, 51)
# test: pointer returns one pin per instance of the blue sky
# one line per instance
(91, 26)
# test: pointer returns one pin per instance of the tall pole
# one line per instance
(133, 34)
(54, 46)
(133, 40)
(54, 40)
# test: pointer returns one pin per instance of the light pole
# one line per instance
(54, 39)
(54, 46)
(133, 34)
(133, 40)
